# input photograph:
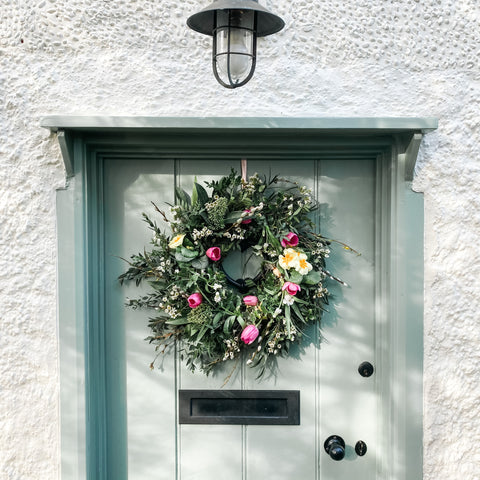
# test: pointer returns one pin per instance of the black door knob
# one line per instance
(335, 447)
(365, 369)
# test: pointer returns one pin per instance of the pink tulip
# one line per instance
(289, 240)
(249, 334)
(214, 253)
(194, 300)
(291, 288)
(250, 300)
(248, 220)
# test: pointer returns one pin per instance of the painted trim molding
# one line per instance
(326, 124)
(409, 130)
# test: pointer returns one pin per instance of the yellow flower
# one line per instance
(289, 258)
(303, 267)
(176, 241)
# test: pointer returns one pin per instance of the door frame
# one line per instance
(86, 141)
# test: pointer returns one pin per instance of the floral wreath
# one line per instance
(195, 298)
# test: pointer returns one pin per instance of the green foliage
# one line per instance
(196, 303)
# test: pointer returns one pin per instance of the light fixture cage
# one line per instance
(235, 26)
(234, 47)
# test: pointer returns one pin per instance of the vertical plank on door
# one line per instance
(208, 451)
(147, 399)
(285, 452)
(348, 405)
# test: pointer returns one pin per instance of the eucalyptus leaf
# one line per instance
(186, 252)
(303, 302)
(177, 321)
(241, 321)
(158, 284)
(179, 257)
(194, 194)
(202, 332)
(297, 312)
(288, 319)
(183, 196)
(312, 278)
(235, 216)
(216, 319)
(228, 323)
(200, 263)
(193, 330)
(295, 277)
(201, 194)
(269, 291)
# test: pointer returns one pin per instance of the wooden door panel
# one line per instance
(334, 398)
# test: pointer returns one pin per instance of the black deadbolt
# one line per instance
(360, 448)
(335, 447)
(365, 369)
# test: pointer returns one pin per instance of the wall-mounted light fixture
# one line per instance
(235, 26)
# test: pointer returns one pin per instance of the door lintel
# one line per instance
(408, 131)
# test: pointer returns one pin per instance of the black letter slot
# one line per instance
(239, 407)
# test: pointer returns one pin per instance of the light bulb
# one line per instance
(238, 61)
(238, 58)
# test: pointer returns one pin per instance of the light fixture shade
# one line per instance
(204, 21)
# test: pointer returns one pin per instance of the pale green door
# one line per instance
(145, 440)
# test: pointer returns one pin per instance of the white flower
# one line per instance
(277, 312)
(217, 297)
(302, 266)
(216, 286)
(289, 258)
(289, 299)
(176, 241)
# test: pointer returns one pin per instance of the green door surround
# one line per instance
(86, 141)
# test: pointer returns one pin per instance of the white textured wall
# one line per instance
(334, 58)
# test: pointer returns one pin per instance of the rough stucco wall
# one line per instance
(334, 58)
